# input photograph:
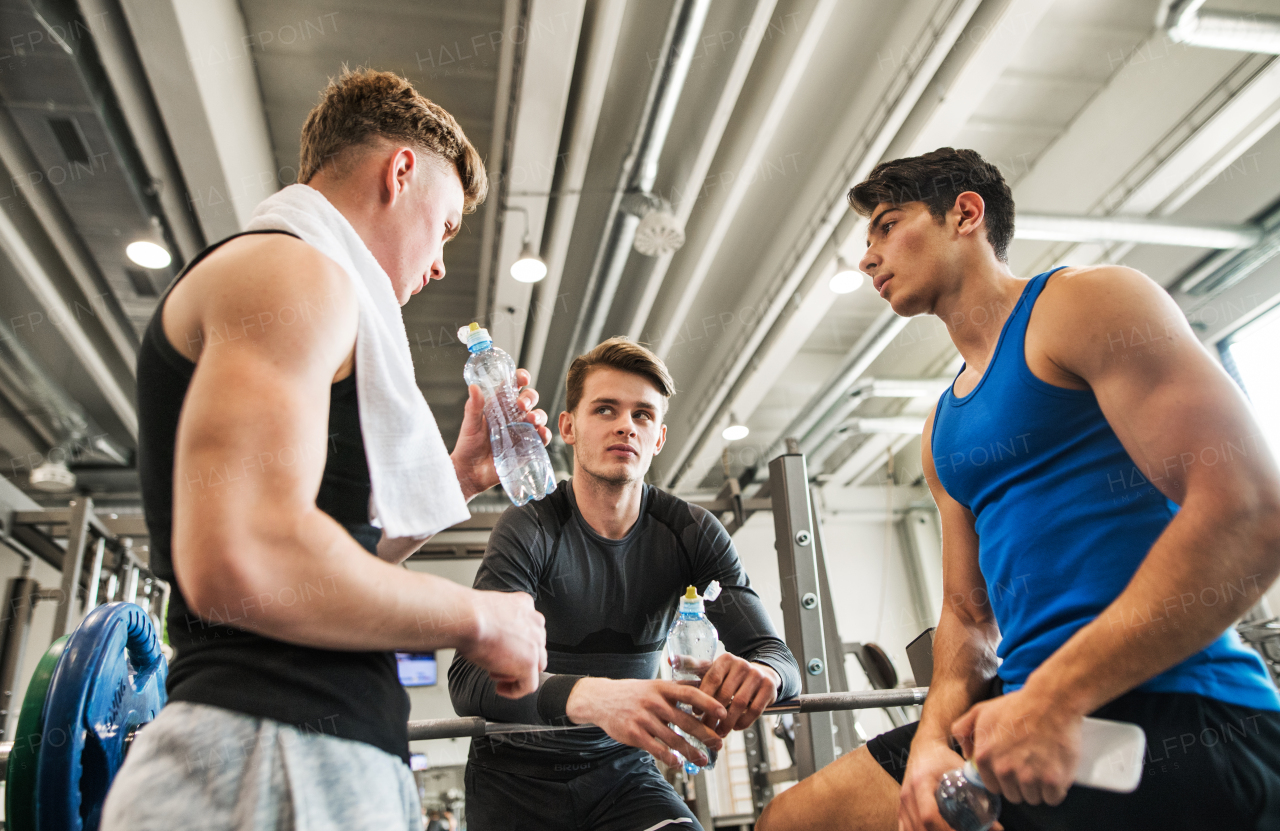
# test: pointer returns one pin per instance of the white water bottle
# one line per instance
(518, 453)
(1110, 760)
(691, 645)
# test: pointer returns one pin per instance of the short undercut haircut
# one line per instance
(361, 106)
(622, 354)
(936, 179)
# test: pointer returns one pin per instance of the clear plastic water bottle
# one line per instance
(691, 645)
(1111, 756)
(963, 801)
(518, 453)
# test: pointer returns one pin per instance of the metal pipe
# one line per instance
(678, 47)
(458, 728)
(675, 69)
(77, 540)
(1136, 229)
(1184, 22)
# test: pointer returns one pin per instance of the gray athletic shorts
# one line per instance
(202, 768)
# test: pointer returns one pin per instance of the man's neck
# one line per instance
(975, 313)
(610, 509)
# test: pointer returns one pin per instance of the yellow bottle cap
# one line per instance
(691, 593)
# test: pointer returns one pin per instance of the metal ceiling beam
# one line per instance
(690, 192)
(602, 26)
(515, 17)
(737, 194)
(1135, 229)
(197, 59)
(79, 263)
(534, 129)
(123, 68)
(33, 274)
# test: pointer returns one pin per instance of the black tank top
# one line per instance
(351, 695)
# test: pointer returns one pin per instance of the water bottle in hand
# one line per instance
(691, 644)
(963, 801)
(1110, 759)
(518, 453)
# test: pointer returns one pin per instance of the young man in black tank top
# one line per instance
(285, 707)
(939, 228)
(606, 558)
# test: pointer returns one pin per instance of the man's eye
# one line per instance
(642, 415)
(601, 410)
(888, 225)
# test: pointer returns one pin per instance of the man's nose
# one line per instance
(868, 263)
(437, 269)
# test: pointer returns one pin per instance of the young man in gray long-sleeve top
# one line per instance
(605, 558)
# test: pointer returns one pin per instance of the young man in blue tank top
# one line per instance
(1109, 510)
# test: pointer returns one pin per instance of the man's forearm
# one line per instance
(964, 664)
(1201, 575)
(317, 587)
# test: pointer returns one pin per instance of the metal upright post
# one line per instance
(72, 565)
(756, 740)
(95, 575)
(846, 735)
(801, 604)
(16, 623)
(702, 799)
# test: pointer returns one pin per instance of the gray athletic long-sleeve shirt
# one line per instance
(608, 606)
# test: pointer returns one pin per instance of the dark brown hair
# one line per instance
(360, 106)
(936, 179)
(617, 353)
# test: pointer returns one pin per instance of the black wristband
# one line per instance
(553, 696)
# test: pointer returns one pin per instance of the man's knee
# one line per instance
(851, 794)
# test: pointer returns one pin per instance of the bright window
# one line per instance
(1251, 354)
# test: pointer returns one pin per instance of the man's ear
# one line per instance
(566, 427)
(971, 210)
(662, 439)
(401, 168)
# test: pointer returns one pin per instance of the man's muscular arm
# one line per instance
(964, 655)
(1192, 435)
(251, 448)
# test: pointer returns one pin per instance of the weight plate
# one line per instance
(109, 682)
(20, 780)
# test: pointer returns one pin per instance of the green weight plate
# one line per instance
(20, 780)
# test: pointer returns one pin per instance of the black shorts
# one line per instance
(1209, 765)
(622, 793)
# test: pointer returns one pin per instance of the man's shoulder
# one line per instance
(678, 514)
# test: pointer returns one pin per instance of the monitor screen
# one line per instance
(418, 761)
(417, 669)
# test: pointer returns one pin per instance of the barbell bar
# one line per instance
(459, 728)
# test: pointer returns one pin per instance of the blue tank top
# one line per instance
(1064, 519)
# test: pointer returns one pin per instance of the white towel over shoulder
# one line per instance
(415, 488)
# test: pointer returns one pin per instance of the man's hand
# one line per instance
(742, 687)
(637, 713)
(509, 641)
(472, 456)
(1026, 747)
(917, 800)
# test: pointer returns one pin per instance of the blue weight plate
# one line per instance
(109, 681)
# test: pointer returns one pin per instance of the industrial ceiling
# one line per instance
(1131, 131)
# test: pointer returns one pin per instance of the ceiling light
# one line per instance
(148, 254)
(736, 430)
(846, 279)
(53, 477)
(529, 268)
